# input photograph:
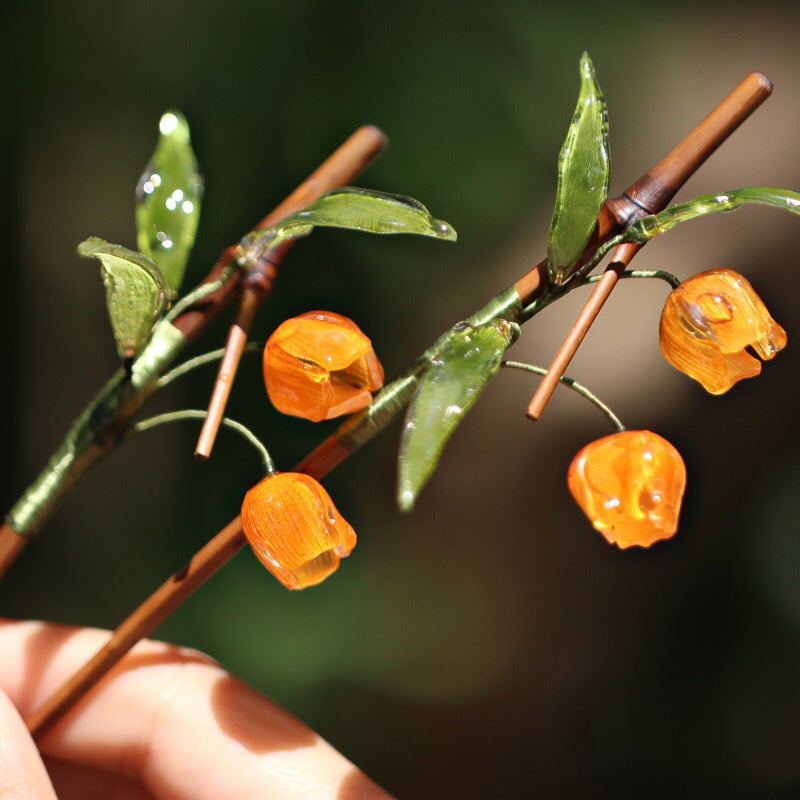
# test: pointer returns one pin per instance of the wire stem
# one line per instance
(199, 361)
(200, 292)
(191, 413)
(571, 384)
(660, 274)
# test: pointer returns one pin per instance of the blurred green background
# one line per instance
(490, 644)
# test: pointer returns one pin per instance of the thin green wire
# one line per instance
(199, 361)
(190, 413)
(571, 384)
(661, 274)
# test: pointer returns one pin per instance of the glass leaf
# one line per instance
(469, 356)
(136, 293)
(583, 175)
(656, 224)
(354, 209)
(168, 199)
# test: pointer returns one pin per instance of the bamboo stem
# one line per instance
(331, 452)
(234, 347)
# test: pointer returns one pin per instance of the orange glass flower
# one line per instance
(707, 323)
(320, 365)
(295, 530)
(630, 486)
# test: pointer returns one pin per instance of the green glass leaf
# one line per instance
(351, 208)
(467, 358)
(168, 199)
(656, 224)
(583, 174)
(136, 293)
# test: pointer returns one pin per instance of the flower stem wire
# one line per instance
(200, 292)
(659, 274)
(199, 361)
(191, 413)
(570, 383)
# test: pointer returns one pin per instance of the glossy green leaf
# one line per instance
(467, 358)
(583, 175)
(351, 208)
(168, 199)
(656, 224)
(136, 293)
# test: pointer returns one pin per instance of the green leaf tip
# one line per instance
(351, 208)
(468, 356)
(583, 177)
(168, 198)
(136, 293)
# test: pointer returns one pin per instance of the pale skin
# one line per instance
(167, 723)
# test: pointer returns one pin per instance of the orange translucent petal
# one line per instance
(707, 323)
(296, 387)
(345, 399)
(319, 365)
(295, 530)
(630, 485)
(325, 343)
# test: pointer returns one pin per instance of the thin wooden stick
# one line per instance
(622, 257)
(234, 347)
(350, 158)
(321, 460)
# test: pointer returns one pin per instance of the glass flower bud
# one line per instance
(707, 323)
(320, 365)
(295, 530)
(630, 486)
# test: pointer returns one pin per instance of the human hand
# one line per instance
(166, 722)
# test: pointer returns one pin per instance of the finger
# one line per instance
(175, 719)
(22, 774)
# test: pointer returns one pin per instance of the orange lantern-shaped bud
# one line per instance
(319, 366)
(295, 530)
(630, 486)
(707, 323)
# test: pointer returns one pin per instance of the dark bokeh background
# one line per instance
(490, 644)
